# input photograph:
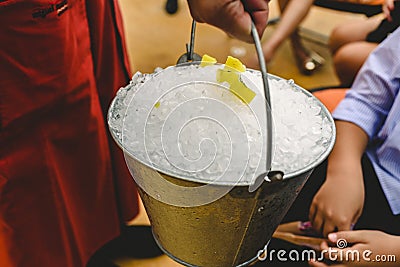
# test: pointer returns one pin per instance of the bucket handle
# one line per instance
(269, 175)
(191, 56)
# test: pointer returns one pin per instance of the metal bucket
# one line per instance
(234, 229)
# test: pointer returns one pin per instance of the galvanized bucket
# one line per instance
(231, 230)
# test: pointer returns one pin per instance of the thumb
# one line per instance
(345, 237)
(258, 10)
(314, 263)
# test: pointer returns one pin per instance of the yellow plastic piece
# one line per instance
(157, 105)
(231, 75)
(207, 60)
(236, 85)
(235, 64)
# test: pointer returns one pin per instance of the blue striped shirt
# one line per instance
(373, 103)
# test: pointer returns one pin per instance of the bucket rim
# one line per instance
(289, 175)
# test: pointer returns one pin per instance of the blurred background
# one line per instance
(157, 39)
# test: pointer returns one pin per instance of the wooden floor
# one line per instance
(156, 39)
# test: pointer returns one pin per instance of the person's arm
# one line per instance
(339, 202)
(232, 16)
(360, 117)
(293, 13)
(374, 248)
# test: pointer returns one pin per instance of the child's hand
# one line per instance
(370, 248)
(339, 202)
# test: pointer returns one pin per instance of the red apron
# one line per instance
(64, 186)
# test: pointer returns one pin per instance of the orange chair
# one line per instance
(330, 97)
(354, 6)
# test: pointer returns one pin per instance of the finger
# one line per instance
(386, 12)
(318, 222)
(238, 22)
(312, 212)
(194, 11)
(328, 227)
(334, 255)
(350, 236)
(259, 11)
(234, 20)
(314, 263)
(390, 5)
(229, 16)
(324, 246)
(353, 221)
(321, 264)
(344, 224)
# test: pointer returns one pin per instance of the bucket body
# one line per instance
(231, 231)
(234, 228)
